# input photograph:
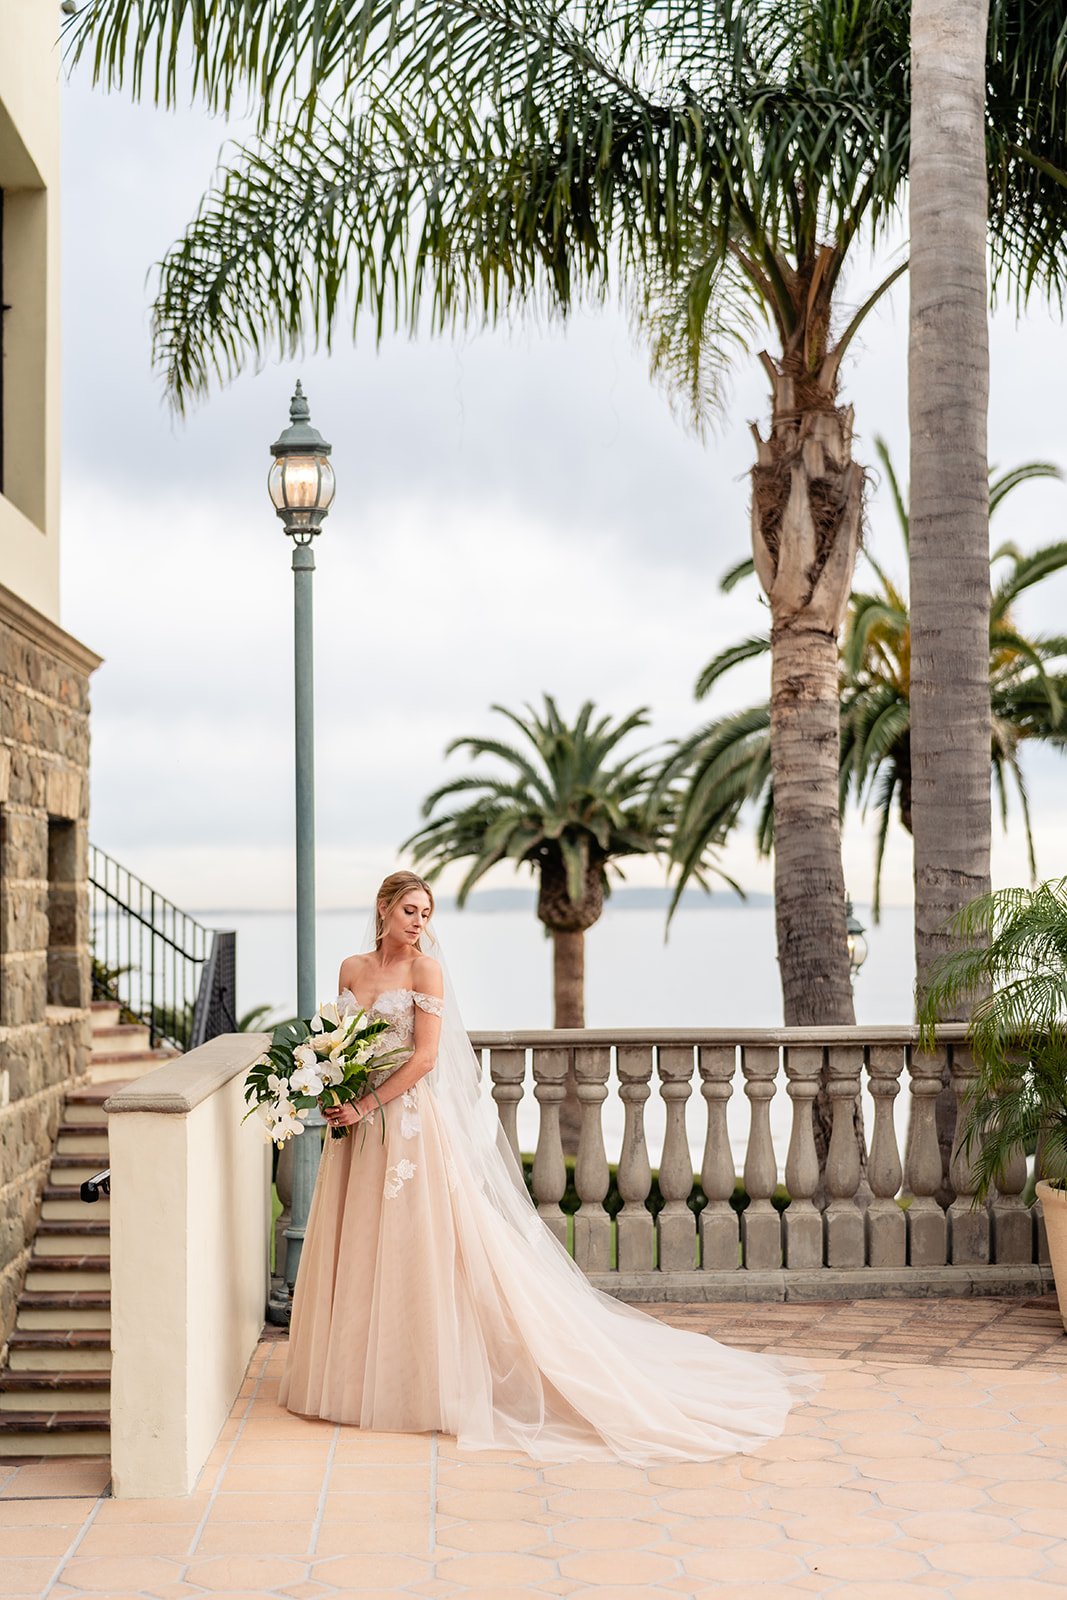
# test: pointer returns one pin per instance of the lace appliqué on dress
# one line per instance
(428, 1002)
(410, 1123)
(396, 1177)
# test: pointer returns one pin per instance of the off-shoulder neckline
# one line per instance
(396, 989)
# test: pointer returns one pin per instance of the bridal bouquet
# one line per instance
(327, 1061)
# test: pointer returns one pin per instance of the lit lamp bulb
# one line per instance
(857, 944)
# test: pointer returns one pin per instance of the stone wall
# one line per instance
(44, 911)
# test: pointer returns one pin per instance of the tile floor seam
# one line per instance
(432, 1531)
(221, 1473)
(320, 1509)
(72, 1548)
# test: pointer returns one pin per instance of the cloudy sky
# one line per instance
(517, 511)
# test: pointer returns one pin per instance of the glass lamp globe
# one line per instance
(857, 943)
(301, 483)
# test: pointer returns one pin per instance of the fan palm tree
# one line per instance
(712, 166)
(727, 763)
(568, 806)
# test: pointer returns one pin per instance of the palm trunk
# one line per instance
(568, 1000)
(567, 920)
(948, 386)
(568, 979)
(807, 501)
(809, 885)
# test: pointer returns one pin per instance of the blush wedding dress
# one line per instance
(431, 1297)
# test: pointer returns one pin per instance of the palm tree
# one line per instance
(948, 402)
(726, 763)
(566, 804)
(1009, 970)
(710, 165)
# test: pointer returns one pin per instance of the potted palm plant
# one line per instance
(1012, 967)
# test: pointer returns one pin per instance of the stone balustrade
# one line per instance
(879, 1232)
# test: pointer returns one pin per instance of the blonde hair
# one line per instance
(391, 892)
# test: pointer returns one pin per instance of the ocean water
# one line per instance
(718, 969)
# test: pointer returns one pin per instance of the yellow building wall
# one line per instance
(29, 177)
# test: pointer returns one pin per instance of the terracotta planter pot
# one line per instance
(1054, 1209)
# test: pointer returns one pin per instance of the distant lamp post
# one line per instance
(301, 487)
(857, 943)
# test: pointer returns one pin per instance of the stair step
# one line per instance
(59, 1350)
(63, 1203)
(127, 1037)
(55, 1433)
(72, 1309)
(71, 1171)
(52, 1273)
(85, 1139)
(59, 1391)
(74, 1238)
(110, 1071)
(105, 1013)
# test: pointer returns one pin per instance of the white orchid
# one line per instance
(333, 1071)
(308, 1079)
(285, 1126)
(305, 1055)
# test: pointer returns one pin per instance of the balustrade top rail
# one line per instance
(577, 1038)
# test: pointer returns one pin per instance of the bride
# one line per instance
(431, 1296)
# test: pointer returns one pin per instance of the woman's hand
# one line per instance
(346, 1116)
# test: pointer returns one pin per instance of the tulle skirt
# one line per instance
(420, 1307)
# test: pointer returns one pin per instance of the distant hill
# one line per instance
(625, 899)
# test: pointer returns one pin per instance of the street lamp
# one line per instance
(301, 487)
(857, 944)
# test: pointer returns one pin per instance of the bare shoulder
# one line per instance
(352, 968)
(426, 976)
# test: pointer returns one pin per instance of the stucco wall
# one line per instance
(190, 1217)
(29, 178)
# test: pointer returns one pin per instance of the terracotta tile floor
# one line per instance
(933, 1463)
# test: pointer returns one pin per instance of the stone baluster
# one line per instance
(968, 1225)
(676, 1225)
(927, 1232)
(1010, 1220)
(802, 1221)
(549, 1169)
(592, 1225)
(843, 1219)
(719, 1236)
(887, 1228)
(634, 1224)
(761, 1230)
(507, 1070)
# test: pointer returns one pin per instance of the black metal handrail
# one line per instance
(214, 1011)
(152, 958)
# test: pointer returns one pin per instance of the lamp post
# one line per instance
(857, 944)
(301, 487)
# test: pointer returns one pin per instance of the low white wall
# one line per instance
(190, 1216)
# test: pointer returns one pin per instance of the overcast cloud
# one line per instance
(523, 501)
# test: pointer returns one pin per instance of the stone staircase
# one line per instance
(55, 1386)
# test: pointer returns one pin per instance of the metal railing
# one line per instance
(158, 963)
